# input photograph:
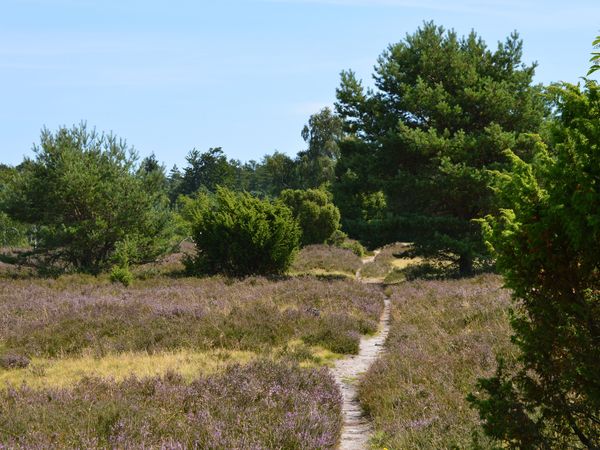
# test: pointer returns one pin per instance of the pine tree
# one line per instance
(415, 167)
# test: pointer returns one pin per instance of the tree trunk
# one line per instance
(465, 265)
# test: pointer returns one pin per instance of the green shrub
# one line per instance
(356, 247)
(547, 243)
(238, 234)
(340, 239)
(337, 238)
(122, 275)
(317, 215)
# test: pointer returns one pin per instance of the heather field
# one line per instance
(76, 316)
(177, 362)
(259, 405)
(443, 336)
(326, 260)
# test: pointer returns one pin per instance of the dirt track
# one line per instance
(357, 428)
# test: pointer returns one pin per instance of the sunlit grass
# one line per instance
(63, 372)
(403, 263)
(388, 266)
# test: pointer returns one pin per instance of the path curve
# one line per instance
(357, 428)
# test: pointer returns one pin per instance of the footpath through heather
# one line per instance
(357, 428)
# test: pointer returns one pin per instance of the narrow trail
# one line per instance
(357, 428)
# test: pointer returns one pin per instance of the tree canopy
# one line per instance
(316, 164)
(595, 59)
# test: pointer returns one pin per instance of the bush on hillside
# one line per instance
(238, 234)
(341, 240)
(317, 215)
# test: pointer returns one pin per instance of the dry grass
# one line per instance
(444, 335)
(64, 372)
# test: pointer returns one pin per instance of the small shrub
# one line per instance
(337, 238)
(340, 239)
(13, 361)
(238, 234)
(122, 275)
(356, 247)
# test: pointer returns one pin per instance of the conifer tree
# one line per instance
(415, 164)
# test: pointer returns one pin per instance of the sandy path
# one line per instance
(357, 428)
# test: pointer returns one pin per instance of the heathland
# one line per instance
(205, 307)
(219, 362)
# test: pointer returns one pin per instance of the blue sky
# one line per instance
(245, 75)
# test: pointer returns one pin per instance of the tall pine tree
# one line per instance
(415, 166)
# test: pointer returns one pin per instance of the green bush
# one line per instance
(354, 246)
(340, 239)
(317, 215)
(238, 234)
(547, 242)
(121, 275)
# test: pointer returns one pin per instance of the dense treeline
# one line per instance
(86, 203)
(310, 169)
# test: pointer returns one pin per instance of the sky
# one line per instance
(244, 75)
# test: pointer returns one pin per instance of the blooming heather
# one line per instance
(257, 406)
(443, 336)
(51, 318)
